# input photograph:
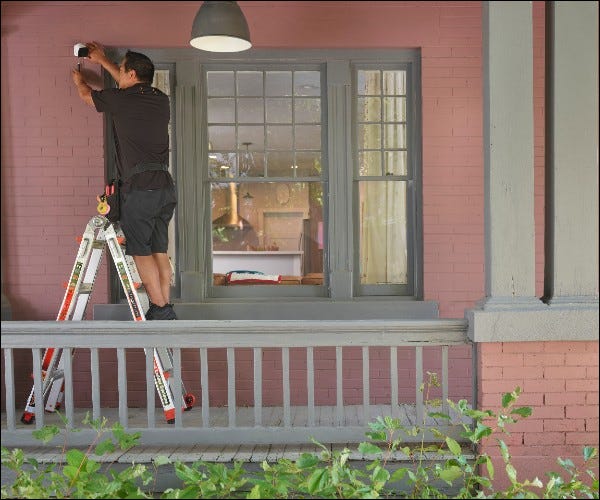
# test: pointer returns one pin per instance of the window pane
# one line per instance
(280, 164)
(250, 162)
(394, 82)
(395, 163)
(250, 83)
(394, 136)
(254, 135)
(221, 138)
(279, 137)
(222, 164)
(308, 164)
(308, 136)
(369, 82)
(369, 163)
(275, 228)
(382, 228)
(369, 109)
(250, 111)
(278, 83)
(369, 136)
(279, 110)
(307, 83)
(220, 83)
(307, 110)
(394, 109)
(221, 110)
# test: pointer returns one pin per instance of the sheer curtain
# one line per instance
(383, 245)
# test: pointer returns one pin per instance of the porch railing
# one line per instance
(239, 424)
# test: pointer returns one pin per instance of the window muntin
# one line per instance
(264, 168)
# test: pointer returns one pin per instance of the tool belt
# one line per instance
(109, 202)
(145, 167)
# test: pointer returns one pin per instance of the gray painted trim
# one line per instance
(274, 308)
(552, 323)
(237, 333)
(571, 265)
(508, 149)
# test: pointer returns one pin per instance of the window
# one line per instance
(265, 156)
(384, 181)
(299, 164)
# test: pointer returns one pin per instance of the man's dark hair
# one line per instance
(141, 64)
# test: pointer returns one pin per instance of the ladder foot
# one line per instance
(28, 418)
(189, 399)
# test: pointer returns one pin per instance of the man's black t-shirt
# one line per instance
(141, 116)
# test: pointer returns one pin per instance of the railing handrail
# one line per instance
(233, 333)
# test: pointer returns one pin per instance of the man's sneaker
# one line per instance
(160, 312)
(149, 314)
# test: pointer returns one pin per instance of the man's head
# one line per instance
(135, 68)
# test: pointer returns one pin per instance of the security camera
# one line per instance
(80, 50)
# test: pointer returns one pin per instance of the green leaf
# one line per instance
(106, 446)
(161, 460)
(369, 449)
(524, 411)
(453, 446)
(504, 450)
(450, 474)
(70, 471)
(490, 467)
(589, 452)
(507, 399)
(316, 480)
(307, 460)
(46, 433)
(377, 435)
(255, 492)
(75, 457)
(437, 414)
(512, 473)
(398, 475)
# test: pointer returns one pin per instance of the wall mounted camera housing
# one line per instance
(80, 50)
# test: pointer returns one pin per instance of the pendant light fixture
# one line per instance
(220, 27)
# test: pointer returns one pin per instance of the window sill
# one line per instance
(400, 308)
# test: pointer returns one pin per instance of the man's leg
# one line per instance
(165, 273)
(150, 276)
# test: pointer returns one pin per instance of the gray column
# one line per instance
(571, 273)
(191, 161)
(508, 155)
(507, 55)
(341, 176)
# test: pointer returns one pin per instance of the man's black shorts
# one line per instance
(145, 217)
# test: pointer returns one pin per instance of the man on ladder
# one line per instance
(140, 115)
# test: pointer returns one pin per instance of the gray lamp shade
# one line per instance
(220, 27)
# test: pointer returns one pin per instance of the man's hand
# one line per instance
(97, 55)
(96, 52)
(77, 77)
(83, 89)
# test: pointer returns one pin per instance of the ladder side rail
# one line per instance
(91, 256)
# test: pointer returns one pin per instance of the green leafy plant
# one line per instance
(431, 468)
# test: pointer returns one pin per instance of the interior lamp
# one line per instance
(220, 27)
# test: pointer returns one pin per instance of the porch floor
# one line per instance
(272, 416)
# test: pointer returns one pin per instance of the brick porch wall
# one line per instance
(559, 381)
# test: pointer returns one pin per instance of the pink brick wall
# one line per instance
(52, 146)
(560, 383)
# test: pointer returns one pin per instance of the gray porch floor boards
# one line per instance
(272, 416)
